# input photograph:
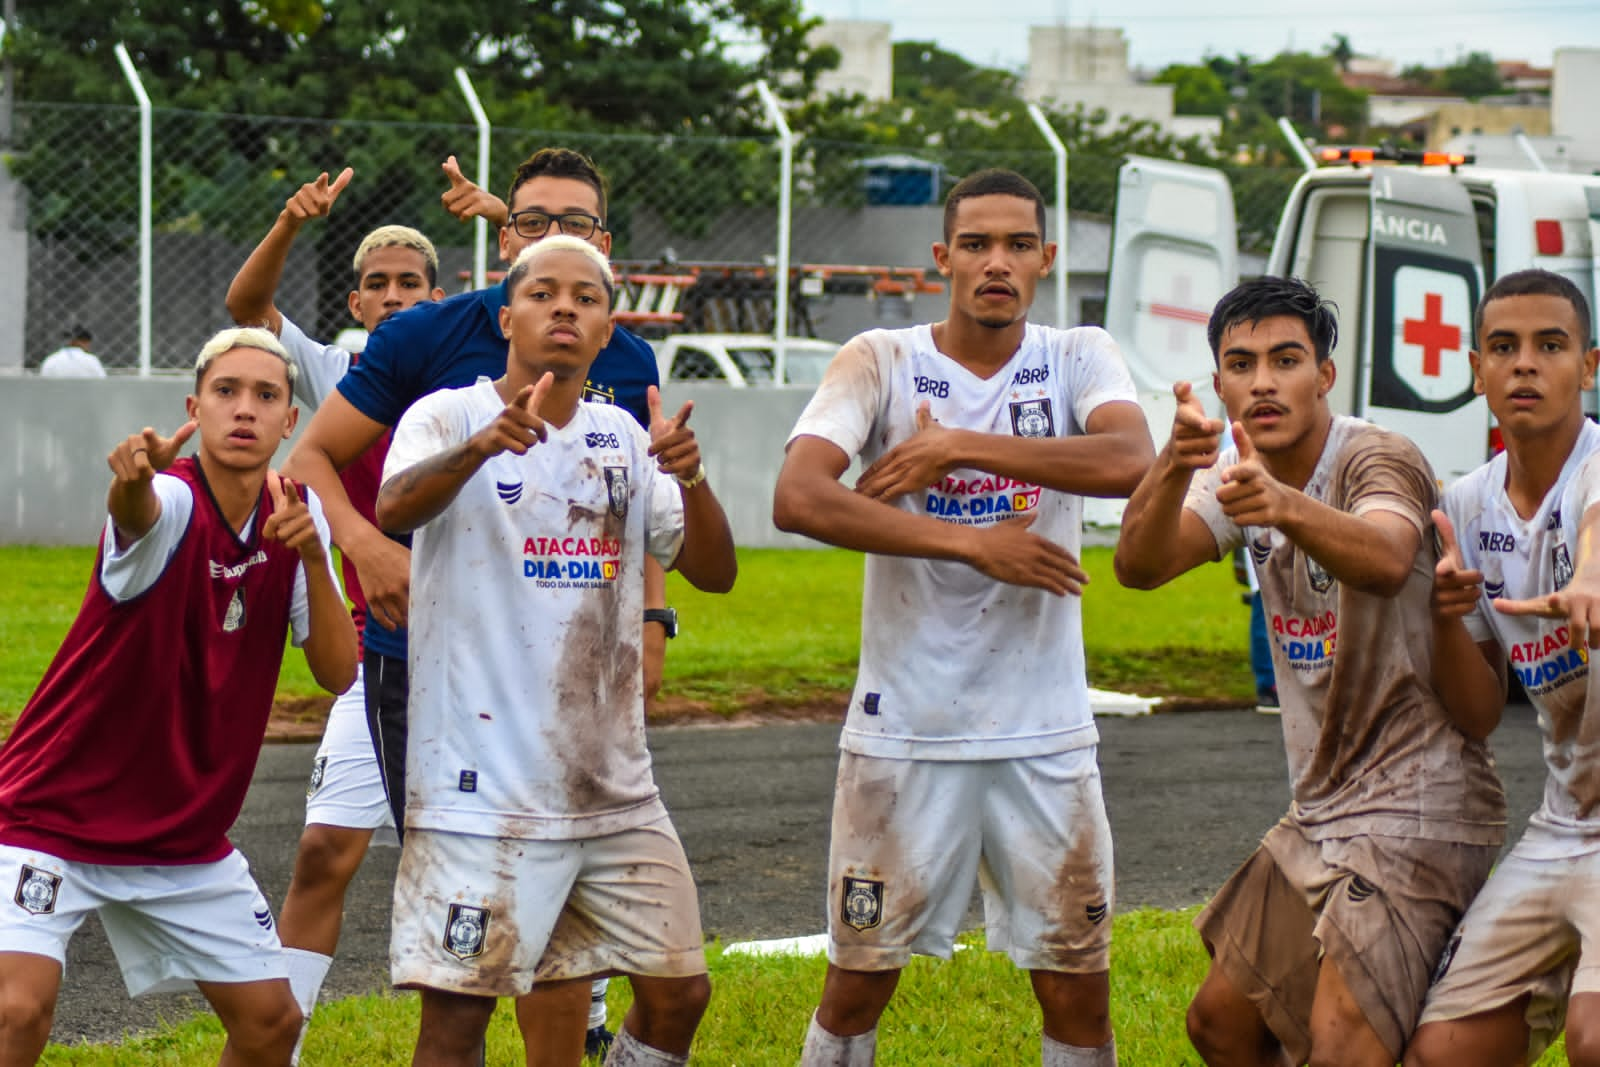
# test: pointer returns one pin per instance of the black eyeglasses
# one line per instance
(535, 223)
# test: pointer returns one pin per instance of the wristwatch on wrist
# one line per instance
(667, 617)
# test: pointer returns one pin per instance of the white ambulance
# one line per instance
(1401, 242)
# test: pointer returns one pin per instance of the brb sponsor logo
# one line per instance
(980, 500)
(571, 562)
(1548, 663)
(1308, 642)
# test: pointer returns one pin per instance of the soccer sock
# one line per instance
(824, 1049)
(306, 973)
(1055, 1054)
(597, 1002)
(629, 1051)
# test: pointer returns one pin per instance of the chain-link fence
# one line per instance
(694, 221)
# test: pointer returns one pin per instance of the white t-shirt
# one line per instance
(527, 686)
(71, 362)
(1521, 559)
(131, 570)
(321, 366)
(956, 665)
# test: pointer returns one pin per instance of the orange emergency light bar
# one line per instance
(1390, 154)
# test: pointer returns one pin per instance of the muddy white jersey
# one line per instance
(527, 689)
(1525, 558)
(1370, 747)
(954, 664)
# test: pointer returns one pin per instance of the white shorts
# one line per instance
(169, 926)
(910, 838)
(488, 916)
(346, 787)
(1533, 929)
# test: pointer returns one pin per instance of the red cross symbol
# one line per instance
(1432, 334)
(1176, 311)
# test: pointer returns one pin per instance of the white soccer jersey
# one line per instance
(955, 665)
(527, 690)
(1521, 559)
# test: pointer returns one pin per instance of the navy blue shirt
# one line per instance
(451, 343)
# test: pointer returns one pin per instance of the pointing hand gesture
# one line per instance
(1249, 494)
(921, 460)
(1455, 588)
(518, 427)
(139, 456)
(672, 443)
(314, 200)
(1196, 439)
(465, 200)
(290, 522)
(1578, 603)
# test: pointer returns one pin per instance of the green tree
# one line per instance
(1471, 76)
(593, 66)
(1340, 51)
(1196, 90)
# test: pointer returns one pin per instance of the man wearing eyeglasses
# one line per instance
(450, 344)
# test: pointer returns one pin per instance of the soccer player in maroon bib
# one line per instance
(131, 761)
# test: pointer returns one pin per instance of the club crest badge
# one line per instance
(1563, 566)
(1321, 581)
(617, 490)
(595, 393)
(319, 771)
(1032, 418)
(37, 890)
(464, 931)
(863, 903)
(233, 618)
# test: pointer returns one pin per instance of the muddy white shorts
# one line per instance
(912, 837)
(488, 915)
(1534, 928)
(346, 787)
(169, 926)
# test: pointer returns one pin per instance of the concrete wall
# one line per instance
(57, 432)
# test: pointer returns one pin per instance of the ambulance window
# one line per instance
(1483, 208)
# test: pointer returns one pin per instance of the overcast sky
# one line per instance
(1159, 32)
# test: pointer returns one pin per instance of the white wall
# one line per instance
(56, 433)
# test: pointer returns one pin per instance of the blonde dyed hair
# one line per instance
(397, 237)
(257, 337)
(563, 242)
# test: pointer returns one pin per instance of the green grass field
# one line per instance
(787, 635)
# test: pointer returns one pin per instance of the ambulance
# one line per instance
(1402, 242)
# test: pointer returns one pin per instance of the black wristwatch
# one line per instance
(667, 617)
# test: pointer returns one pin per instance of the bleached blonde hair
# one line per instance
(397, 237)
(258, 337)
(562, 242)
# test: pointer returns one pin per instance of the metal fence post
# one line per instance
(1059, 150)
(480, 225)
(146, 151)
(780, 317)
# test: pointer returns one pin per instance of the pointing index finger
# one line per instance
(275, 490)
(1447, 536)
(1247, 447)
(341, 181)
(452, 170)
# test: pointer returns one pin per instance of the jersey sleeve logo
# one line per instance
(1562, 562)
(508, 492)
(1321, 581)
(1033, 418)
(465, 929)
(617, 490)
(37, 890)
(863, 903)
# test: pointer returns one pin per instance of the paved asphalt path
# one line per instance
(1189, 795)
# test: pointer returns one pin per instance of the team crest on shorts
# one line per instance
(1032, 418)
(319, 771)
(464, 931)
(617, 490)
(1321, 581)
(863, 903)
(1563, 566)
(233, 618)
(36, 891)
